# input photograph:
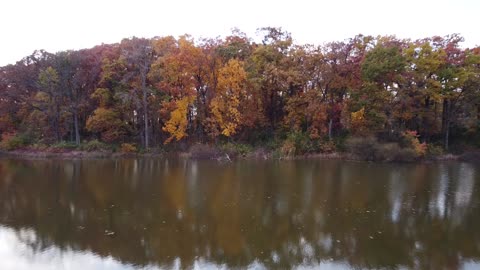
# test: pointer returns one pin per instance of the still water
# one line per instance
(181, 214)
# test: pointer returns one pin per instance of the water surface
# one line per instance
(179, 214)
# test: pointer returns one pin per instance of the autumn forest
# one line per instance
(168, 93)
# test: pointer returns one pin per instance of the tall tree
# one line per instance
(382, 74)
(175, 73)
(50, 98)
(225, 107)
(138, 53)
(269, 67)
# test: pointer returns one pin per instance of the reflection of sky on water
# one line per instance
(441, 192)
(466, 181)
(397, 189)
(17, 255)
(471, 265)
(200, 215)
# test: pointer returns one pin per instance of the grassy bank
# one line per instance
(360, 149)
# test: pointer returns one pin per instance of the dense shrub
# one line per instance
(370, 149)
(94, 145)
(299, 143)
(38, 146)
(128, 148)
(364, 148)
(327, 146)
(272, 144)
(405, 155)
(434, 150)
(236, 149)
(385, 151)
(288, 149)
(12, 141)
(412, 141)
(260, 153)
(63, 145)
(203, 151)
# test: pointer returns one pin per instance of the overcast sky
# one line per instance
(54, 25)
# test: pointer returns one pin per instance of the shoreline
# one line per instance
(75, 154)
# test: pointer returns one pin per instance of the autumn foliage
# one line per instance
(165, 90)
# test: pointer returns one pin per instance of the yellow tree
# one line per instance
(177, 124)
(174, 75)
(226, 117)
(358, 125)
(106, 120)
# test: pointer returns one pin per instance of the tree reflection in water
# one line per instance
(277, 214)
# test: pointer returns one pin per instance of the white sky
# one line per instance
(54, 25)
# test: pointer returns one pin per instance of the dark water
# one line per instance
(166, 214)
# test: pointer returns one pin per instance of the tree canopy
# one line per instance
(167, 90)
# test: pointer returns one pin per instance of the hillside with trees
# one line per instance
(171, 93)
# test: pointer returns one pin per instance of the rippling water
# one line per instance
(304, 214)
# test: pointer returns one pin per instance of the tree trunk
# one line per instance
(447, 134)
(425, 130)
(330, 124)
(75, 122)
(57, 123)
(446, 122)
(145, 110)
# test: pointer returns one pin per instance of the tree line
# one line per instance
(167, 90)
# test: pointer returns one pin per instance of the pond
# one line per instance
(184, 214)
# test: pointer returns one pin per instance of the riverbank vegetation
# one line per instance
(378, 98)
